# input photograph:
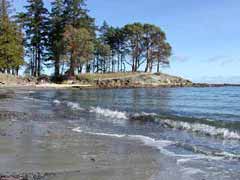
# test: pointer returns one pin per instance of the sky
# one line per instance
(205, 35)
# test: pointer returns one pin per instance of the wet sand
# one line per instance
(37, 142)
(28, 147)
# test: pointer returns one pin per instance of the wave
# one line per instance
(216, 154)
(109, 113)
(208, 127)
(74, 106)
(57, 102)
(163, 144)
(203, 129)
(148, 141)
(223, 129)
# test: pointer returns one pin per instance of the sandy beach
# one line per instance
(39, 147)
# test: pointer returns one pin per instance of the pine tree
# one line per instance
(77, 21)
(57, 26)
(11, 42)
(35, 24)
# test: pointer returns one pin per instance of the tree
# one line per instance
(134, 43)
(56, 24)
(102, 54)
(77, 21)
(114, 38)
(35, 24)
(76, 15)
(164, 51)
(11, 42)
(157, 49)
(78, 47)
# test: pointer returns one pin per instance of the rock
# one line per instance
(43, 79)
(93, 160)
(143, 80)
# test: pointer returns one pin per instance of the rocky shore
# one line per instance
(143, 80)
(104, 81)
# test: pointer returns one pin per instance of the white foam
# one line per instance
(110, 135)
(148, 141)
(203, 128)
(78, 129)
(145, 114)
(109, 113)
(57, 102)
(152, 142)
(74, 106)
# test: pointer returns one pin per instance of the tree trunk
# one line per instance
(133, 65)
(80, 69)
(158, 66)
(148, 61)
(35, 63)
(39, 64)
(151, 66)
(72, 67)
(113, 68)
(147, 66)
(57, 67)
(17, 70)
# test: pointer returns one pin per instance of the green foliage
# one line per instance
(78, 46)
(68, 38)
(11, 42)
(56, 26)
(35, 24)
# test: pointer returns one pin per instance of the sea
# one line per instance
(198, 129)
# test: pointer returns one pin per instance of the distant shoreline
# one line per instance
(106, 81)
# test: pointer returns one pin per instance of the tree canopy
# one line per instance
(66, 38)
(11, 41)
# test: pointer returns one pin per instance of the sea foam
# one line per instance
(57, 102)
(109, 113)
(204, 129)
(148, 141)
(74, 106)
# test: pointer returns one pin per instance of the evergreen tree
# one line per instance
(57, 26)
(77, 21)
(35, 24)
(11, 42)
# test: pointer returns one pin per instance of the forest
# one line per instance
(65, 37)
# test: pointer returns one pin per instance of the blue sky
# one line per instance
(205, 35)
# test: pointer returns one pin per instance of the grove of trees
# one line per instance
(65, 37)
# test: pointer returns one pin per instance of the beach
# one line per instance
(113, 134)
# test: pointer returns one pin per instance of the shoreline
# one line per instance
(83, 87)
(105, 81)
(58, 153)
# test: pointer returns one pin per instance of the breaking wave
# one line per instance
(71, 105)
(74, 106)
(203, 129)
(57, 102)
(222, 129)
(109, 113)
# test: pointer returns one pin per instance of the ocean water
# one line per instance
(198, 127)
